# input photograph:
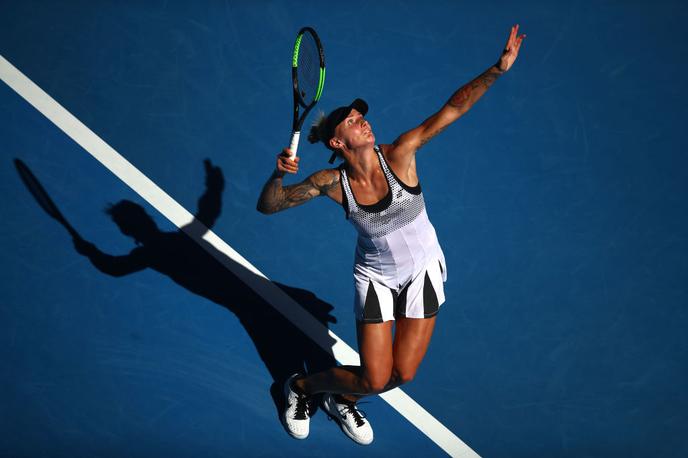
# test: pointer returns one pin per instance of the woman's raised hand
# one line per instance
(513, 44)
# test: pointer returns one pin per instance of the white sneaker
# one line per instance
(350, 419)
(295, 417)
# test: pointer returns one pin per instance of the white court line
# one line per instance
(232, 260)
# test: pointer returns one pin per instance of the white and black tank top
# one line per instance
(395, 237)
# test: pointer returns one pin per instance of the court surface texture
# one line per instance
(559, 201)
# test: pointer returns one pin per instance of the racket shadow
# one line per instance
(41, 195)
(195, 265)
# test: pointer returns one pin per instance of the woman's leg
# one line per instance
(376, 351)
(383, 365)
(411, 341)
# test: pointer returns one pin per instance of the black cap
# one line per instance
(338, 115)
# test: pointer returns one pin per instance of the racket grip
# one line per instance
(294, 144)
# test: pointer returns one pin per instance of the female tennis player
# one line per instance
(399, 266)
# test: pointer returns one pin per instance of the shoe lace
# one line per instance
(301, 409)
(358, 415)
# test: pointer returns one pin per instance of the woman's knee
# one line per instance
(402, 375)
(375, 383)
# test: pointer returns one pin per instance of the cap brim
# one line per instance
(341, 113)
(359, 105)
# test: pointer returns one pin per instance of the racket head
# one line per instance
(308, 68)
(39, 193)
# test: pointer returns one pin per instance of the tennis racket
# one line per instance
(308, 77)
(41, 196)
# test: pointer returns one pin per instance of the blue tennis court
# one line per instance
(559, 201)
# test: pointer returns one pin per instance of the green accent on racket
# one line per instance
(297, 45)
(321, 84)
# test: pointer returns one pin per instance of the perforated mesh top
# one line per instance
(400, 207)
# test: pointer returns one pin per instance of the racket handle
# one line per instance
(294, 144)
(70, 229)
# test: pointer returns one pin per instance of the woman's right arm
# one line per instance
(276, 197)
(117, 266)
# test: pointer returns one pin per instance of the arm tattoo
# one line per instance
(428, 137)
(297, 194)
(465, 97)
(275, 197)
(328, 183)
(458, 104)
(460, 97)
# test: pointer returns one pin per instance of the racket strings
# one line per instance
(308, 69)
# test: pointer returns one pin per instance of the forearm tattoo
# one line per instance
(462, 100)
(467, 95)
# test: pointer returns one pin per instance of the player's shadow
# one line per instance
(194, 264)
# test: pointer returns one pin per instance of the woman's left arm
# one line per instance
(460, 102)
